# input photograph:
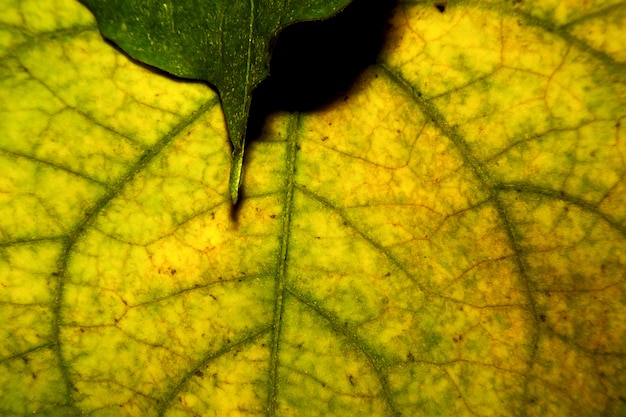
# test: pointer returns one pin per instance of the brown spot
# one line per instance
(351, 379)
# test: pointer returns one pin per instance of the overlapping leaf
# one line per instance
(224, 42)
(446, 239)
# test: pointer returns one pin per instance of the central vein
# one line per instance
(249, 63)
(279, 305)
(238, 135)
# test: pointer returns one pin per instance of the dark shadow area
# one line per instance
(313, 63)
(441, 6)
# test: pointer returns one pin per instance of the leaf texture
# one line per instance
(445, 239)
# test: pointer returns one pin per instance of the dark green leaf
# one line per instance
(224, 42)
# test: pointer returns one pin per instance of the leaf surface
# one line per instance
(445, 239)
(224, 42)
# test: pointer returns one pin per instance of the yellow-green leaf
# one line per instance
(445, 239)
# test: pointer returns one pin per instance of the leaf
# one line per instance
(445, 239)
(225, 42)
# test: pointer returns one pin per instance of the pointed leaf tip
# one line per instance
(236, 175)
(235, 34)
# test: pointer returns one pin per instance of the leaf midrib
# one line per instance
(279, 304)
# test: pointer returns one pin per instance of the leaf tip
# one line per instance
(236, 174)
